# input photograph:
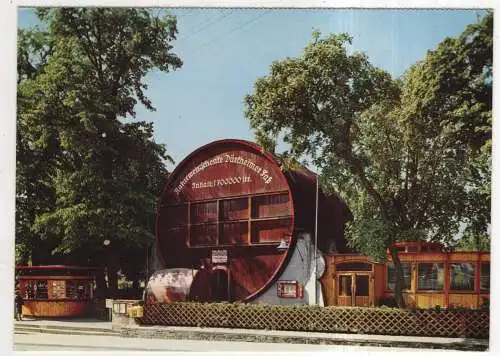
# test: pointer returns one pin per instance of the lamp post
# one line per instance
(147, 265)
(315, 267)
(103, 276)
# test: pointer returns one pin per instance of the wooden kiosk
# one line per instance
(56, 291)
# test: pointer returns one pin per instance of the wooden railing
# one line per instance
(444, 323)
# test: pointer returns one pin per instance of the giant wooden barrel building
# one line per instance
(230, 213)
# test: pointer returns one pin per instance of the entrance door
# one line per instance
(362, 290)
(344, 289)
(353, 289)
(219, 283)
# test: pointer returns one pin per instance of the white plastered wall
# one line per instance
(300, 268)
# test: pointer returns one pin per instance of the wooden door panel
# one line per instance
(344, 301)
(354, 289)
(362, 288)
(362, 301)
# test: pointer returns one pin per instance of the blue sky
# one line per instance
(226, 50)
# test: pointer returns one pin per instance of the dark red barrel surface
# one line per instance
(227, 211)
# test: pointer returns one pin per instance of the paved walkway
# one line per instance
(119, 345)
(82, 323)
(93, 326)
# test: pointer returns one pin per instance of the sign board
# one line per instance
(219, 256)
(289, 289)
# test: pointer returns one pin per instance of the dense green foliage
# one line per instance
(411, 156)
(87, 171)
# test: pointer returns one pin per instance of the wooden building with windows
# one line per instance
(433, 277)
(56, 291)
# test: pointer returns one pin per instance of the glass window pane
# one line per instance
(29, 287)
(485, 276)
(71, 289)
(41, 289)
(345, 286)
(78, 289)
(362, 286)
(462, 276)
(430, 276)
(391, 276)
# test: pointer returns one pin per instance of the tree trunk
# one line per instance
(398, 290)
(112, 273)
(135, 287)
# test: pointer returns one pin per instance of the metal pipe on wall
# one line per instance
(316, 244)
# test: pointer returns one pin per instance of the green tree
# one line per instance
(107, 170)
(471, 242)
(403, 153)
(452, 89)
(34, 163)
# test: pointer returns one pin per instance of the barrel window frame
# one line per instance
(258, 219)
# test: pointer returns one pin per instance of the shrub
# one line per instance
(387, 302)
